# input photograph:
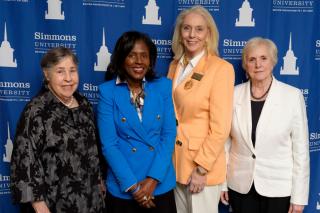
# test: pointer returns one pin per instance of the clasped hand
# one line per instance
(144, 196)
(196, 182)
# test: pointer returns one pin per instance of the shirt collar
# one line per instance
(119, 81)
(194, 61)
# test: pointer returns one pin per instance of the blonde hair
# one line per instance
(213, 36)
(254, 43)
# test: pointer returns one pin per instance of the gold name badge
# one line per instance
(196, 76)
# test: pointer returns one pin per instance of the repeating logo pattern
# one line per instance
(289, 62)
(293, 6)
(103, 56)
(8, 147)
(245, 16)
(54, 10)
(152, 17)
(105, 3)
(6, 52)
(211, 5)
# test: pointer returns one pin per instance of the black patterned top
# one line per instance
(55, 156)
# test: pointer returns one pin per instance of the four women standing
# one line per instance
(55, 163)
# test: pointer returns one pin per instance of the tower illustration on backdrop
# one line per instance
(6, 52)
(289, 62)
(103, 56)
(152, 14)
(245, 16)
(8, 147)
(54, 10)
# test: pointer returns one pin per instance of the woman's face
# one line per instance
(194, 33)
(259, 64)
(137, 62)
(63, 78)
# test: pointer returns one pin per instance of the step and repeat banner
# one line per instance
(28, 28)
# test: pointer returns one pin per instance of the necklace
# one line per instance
(68, 104)
(264, 95)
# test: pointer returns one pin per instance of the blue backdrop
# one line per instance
(28, 28)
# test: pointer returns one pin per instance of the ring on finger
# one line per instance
(145, 198)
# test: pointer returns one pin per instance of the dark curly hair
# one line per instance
(122, 49)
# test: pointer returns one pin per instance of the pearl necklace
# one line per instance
(261, 97)
(69, 104)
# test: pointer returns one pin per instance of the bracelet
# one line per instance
(135, 190)
(199, 172)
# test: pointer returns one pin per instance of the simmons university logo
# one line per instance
(232, 49)
(8, 147)
(90, 91)
(54, 10)
(245, 16)
(105, 3)
(289, 62)
(293, 6)
(317, 50)
(4, 184)
(6, 52)
(211, 5)
(103, 56)
(152, 17)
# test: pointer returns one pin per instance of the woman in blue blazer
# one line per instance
(137, 128)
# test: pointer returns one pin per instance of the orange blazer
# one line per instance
(203, 107)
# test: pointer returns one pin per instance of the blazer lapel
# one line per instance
(243, 115)
(150, 111)
(122, 99)
(199, 68)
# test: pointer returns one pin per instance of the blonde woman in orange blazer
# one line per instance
(202, 92)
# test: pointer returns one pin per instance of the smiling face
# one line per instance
(63, 78)
(194, 33)
(137, 62)
(259, 64)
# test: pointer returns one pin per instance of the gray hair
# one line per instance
(254, 43)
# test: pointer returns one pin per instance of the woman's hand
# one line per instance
(102, 188)
(295, 208)
(144, 196)
(224, 197)
(40, 207)
(196, 181)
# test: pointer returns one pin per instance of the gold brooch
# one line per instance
(188, 85)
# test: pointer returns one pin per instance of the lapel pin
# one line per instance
(188, 85)
(158, 117)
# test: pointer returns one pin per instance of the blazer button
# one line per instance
(158, 117)
(134, 149)
(179, 143)
(128, 136)
(253, 156)
(123, 119)
(151, 148)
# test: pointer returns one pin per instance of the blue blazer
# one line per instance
(135, 150)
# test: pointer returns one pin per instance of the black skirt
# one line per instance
(256, 203)
(164, 203)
